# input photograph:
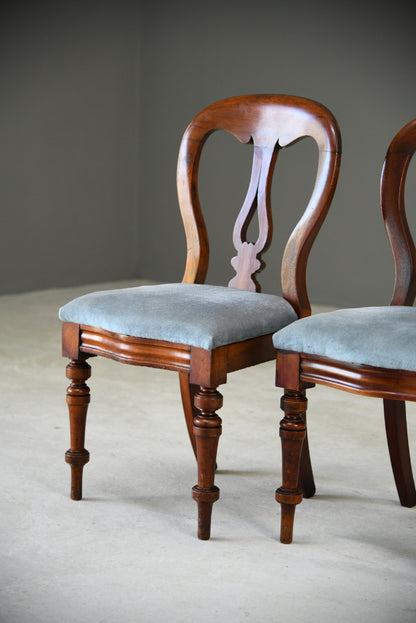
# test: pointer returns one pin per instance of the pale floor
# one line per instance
(128, 552)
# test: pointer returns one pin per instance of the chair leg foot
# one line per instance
(292, 434)
(77, 398)
(204, 520)
(76, 472)
(205, 500)
(287, 519)
(207, 430)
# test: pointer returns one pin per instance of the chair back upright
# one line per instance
(393, 180)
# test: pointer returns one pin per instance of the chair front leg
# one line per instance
(77, 398)
(207, 430)
(292, 434)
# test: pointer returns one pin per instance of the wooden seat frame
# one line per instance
(270, 122)
(297, 372)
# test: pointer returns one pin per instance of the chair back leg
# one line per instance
(398, 444)
(306, 481)
(188, 392)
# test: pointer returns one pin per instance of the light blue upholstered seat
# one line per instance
(198, 315)
(375, 336)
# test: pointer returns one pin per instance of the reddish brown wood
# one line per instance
(250, 353)
(292, 434)
(70, 340)
(393, 181)
(188, 392)
(306, 479)
(78, 398)
(267, 123)
(358, 379)
(287, 375)
(398, 443)
(248, 261)
(208, 367)
(270, 122)
(287, 371)
(296, 371)
(135, 351)
(207, 429)
(394, 386)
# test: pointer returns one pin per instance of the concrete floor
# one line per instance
(128, 551)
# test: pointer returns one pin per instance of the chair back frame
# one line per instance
(269, 123)
(300, 370)
(392, 190)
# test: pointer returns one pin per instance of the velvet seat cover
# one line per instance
(376, 336)
(194, 314)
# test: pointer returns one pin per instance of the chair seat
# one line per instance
(198, 315)
(382, 337)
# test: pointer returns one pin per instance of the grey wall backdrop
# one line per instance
(68, 142)
(96, 96)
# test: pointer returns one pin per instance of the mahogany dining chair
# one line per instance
(206, 331)
(369, 351)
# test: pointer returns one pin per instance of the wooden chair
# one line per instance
(204, 331)
(369, 351)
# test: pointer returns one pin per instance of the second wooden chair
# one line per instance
(369, 351)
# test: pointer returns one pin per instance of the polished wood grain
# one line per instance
(265, 124)
(270, 123)
(298, 371)
(188, 392)
(359, 379)
(292, 435)
(398, 443)
(393, 180)
(247, 262)
(135, 351)
(77, 398)
(207, 429)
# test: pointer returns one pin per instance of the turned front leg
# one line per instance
(292, 434)
(77, 398)
(207, 429)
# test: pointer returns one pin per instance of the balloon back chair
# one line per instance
(206, 331)
(369, 351)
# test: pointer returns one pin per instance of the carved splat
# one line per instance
(247, 263)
